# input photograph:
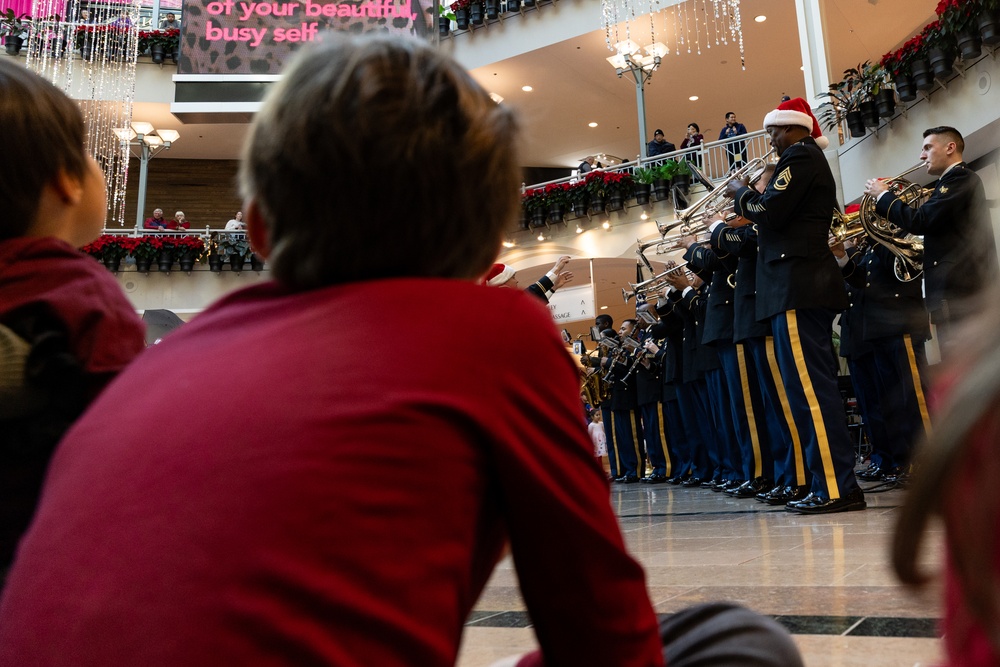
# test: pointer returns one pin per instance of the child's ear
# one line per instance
(256, 229)
(69, 188)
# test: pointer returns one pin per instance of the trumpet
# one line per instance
(654, 284)
(669, 244)
(706, 209)
(908, 248)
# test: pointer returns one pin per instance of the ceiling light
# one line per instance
(604, 307)
(527, 89)
(760, 19)
(496, 98)
(579, 229)
(644, 216)
(541, 236)
(693, 98)
(606, 225)
(591, 124)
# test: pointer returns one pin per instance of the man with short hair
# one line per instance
(736, 150)
(155, 222)
(959, 250)
(659, 145)
(170, 22)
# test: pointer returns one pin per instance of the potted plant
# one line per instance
(940, 49)
(644, 177)
(578, 198)
(557, 199)
(533, 202)
(866, 79)
(958, 19)
(663, 174)
(988, 21)
(189, 249)
(14, 30)
(159, 43)
(109, 249)
(844, 104)
(885, 96)
(896, 65)
(460, 8)
(596, 191)
(492, 9)
(214, 258)
(476, 14)
(619, 186)
(513, 6)
(445, 17)
(236, 247)
(145, 250)
(920, 68)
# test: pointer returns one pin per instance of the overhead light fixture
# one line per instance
(496, 98)
(606, 225)
(604, 307)
(150, 142)
(527, 89)
(541, 236)
(693, 98)
(630, 59)
(591, 124)
(760, 18)
(644, 216)
(579, 229)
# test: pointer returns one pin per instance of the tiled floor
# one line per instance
(826, 578)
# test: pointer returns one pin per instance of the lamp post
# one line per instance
(630, 59)
(150, 143)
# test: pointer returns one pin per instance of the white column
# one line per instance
(815, 68)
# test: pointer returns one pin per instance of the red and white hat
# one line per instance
(498, 275)
(797, 112)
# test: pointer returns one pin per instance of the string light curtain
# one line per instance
(685, 27)
(91, 57)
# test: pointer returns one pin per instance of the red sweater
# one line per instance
(335, 491)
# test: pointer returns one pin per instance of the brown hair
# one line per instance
(379, 157)
(41, 124)
(950, 134)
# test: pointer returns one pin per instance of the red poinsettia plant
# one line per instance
(936, 37)
(107, 247)
(557, 193)
(190, 246)
(169, 39)
(532, 199)
(92, 35)
(957, 16)
(460, 4)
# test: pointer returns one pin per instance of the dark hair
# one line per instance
(377, 137)
(730, 113)
(604, 321)
(695, 126)
(37, 121)
(951, 133)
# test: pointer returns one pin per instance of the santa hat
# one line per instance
(797, 112)
(498, 275)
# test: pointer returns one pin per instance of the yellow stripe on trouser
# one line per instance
(793, 431)
(663, 443)
(817, 415)
(918, 388)
(636, 439)
(614, 444)
(748, 409)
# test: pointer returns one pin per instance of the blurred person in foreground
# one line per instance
(355, 514)
(66, 327)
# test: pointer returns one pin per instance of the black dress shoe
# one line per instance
(676, 479)
(872, 473)
(752, 488)
(786, 494)
(853, 501)
(654, 478)
(733, 484)
(692, 481)
(763, 495)
(793, 504)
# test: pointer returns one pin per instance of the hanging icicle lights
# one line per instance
(694, 24)
(90, 55)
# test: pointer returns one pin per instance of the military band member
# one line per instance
(800, 291)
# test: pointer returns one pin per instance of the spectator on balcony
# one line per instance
(170, 22)
(587, 165)
(236, 224)
(736, 150)
(693, 139)
(179, 222)
(156, 222)
(659, 145)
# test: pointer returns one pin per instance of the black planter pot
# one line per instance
(444, 26)
(476, 13)
(989, 27)
(175, 56)
(885, 102)
(186, 263)
(166, 260)
(528, 3)
(580, 208)
(492, 9)
(661, 189)
(215, 263)
(556, 212)
(905, 88)
(942, 62)
(142, 265)
(113, 264)
(237, 262)
(616, 201)
(856, 124)
(970, 46)
(157, 53)
(538, 217)
(923, 76)
(596, 205)
(13, 44)
(513, 6)
(256, 263)
(462, 19)
(869, 113)
(642, 191)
